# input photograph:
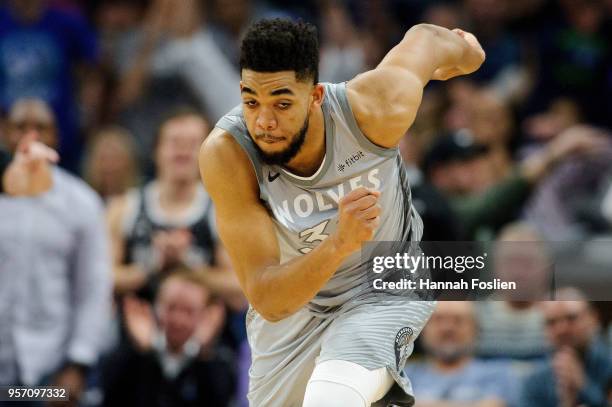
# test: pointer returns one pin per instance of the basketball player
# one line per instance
(301, 175)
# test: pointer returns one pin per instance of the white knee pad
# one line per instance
(338, 383)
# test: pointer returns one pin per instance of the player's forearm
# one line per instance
(430, 50)
(451, 50)
(280, 291)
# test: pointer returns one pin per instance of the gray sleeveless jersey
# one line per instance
(304, 209)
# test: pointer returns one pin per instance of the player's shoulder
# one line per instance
(221, 151)
(223, 161)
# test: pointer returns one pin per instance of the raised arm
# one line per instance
(385, 100)
(29, 173)
(275, 290)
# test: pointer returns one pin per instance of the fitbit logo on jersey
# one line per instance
(305, 204)
(351, 160)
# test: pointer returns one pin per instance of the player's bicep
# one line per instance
(248, 234)
(385, 101)
(243, 223)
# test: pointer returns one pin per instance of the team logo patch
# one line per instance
(402, 343)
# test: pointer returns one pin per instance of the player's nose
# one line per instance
(266, 120)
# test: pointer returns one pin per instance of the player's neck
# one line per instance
(309, 158)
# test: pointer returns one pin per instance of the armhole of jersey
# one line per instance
(340, 95)
(226, 124)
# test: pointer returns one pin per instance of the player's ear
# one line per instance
(318, 92)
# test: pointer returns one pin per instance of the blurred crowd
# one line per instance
(115, 283)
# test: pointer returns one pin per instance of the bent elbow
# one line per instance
(269, 314)
(271, 317)
(261, 301)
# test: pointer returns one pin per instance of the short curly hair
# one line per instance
(277, 44)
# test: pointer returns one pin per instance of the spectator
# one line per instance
(115, 21)
(111, 167)
(458, 166)
(491, 122)
(342, 54)
(175, 362)
(169, 221)
(579, 215)
(488, 19)
(514, 328)
(562, 114)
(39, 49)
(438, 218)
(580, 365)
(29, 172)
(172, 61)
(450, 375)
(228, 20)
(54, 273)
(574, 59)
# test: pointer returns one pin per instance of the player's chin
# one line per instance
(270, 146)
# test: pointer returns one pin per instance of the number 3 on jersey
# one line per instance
(313, 234)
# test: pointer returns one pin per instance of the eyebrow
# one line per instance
(248, 90)
(281, 91)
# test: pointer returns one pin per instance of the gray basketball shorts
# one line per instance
(373, 335)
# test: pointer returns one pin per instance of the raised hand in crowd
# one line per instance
(140, 322)
(171, 247)
(30, 172)
(164, 19)
(569, 374)
(575, 141)
(210, 326)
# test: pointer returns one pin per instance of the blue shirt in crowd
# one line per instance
(55, 280)
(540, 389)
(37, 61)
(476, 381)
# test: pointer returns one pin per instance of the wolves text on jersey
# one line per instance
(306, 203)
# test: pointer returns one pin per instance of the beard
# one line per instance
(283, 157)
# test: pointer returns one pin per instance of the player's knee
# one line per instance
(341, 383)
(320, 393)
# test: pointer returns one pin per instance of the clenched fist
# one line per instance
(358, 218)
(472, 58)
